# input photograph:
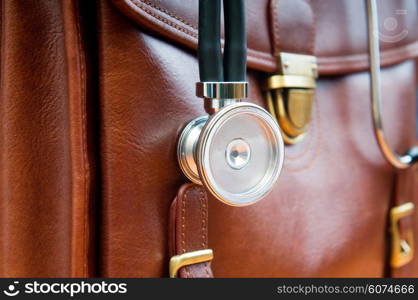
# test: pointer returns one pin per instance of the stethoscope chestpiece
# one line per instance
(237, 153)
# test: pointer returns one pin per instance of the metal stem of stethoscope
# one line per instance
(397, 161)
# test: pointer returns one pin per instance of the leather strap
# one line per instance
(189, 228)
(294, 35)
(406, 190)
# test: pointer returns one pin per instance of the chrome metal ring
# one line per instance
(222, 90)
(186, 148)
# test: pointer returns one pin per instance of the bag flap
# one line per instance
(340, 30)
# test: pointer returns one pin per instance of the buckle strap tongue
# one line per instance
(190, 256)
(402, 248)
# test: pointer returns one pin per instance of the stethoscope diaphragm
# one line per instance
(237, 153)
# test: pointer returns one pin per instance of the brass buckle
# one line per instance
(189, 258)
(290, 94)
(402, 250)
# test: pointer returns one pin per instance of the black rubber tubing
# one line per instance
(234, 63)
(209, 46)
(235, 51)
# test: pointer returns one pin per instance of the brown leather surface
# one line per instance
(45, 175)
(290, 34)
(82, 243)
(327, 215)
(341, 45)
(189, 228)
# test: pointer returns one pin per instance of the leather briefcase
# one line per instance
(94, 97)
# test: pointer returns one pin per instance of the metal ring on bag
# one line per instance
(396, 160)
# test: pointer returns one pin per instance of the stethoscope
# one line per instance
(411, 156)
(237, 150)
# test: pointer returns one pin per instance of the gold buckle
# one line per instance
(189, 258)
(290, 94)
(402, 250)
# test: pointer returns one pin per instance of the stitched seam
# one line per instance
(313, 33)
(167, 12)
(276, 29)
(81, 60)
(204, 227)
(140, 6)
(183, 227)
(203, 211)
(261, 54)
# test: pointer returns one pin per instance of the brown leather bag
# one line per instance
(94, 96)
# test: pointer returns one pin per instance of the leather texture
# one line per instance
(46, 179)
(341, 29)
(94, 96)
(289, 34)
(189, 228)
(327, 215)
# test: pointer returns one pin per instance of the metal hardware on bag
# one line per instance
(402, 250)
(290, 94)
(285, 81)
(397, 161)
(190, 258)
